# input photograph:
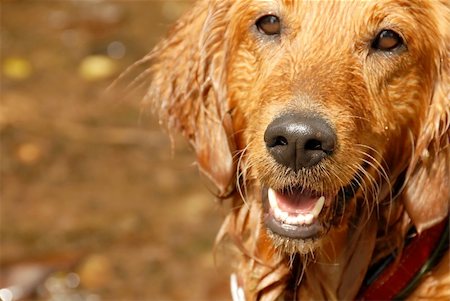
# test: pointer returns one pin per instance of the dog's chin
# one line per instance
(294, 246)
(298, 219)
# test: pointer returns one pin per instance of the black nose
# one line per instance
(299, 140)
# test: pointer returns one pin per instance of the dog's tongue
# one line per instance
(296, 202)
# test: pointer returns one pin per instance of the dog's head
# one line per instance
(326, 106)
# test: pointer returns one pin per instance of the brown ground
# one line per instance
(93, 204)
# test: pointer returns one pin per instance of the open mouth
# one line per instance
(295, 213)
(302, 214)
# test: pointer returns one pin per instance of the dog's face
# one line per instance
(330, 95)
(324, 106)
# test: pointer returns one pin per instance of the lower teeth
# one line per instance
(300, 219)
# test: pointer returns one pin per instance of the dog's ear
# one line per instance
(427, 188)
(189, 91)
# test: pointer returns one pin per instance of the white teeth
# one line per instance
(272, 198)
(292, 220)
(284, 216)
(318, 207)
(309, 218)
(298, 219)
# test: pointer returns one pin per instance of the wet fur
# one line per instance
(220, 82)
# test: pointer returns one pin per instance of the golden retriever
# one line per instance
(326, 123)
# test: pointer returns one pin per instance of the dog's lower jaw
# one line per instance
(305, 242)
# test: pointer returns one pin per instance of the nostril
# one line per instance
(313, 144)
(276, 135)
(277, 141)
(326, 146)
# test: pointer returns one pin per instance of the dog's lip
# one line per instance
(301, 232)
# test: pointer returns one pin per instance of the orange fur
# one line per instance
(219, 82)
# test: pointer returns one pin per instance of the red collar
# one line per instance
(399, 277)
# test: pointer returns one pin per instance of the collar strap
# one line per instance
(398, 278)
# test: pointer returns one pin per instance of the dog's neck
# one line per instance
(336, 270)
(342, 262)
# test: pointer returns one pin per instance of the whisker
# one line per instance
(384, 177)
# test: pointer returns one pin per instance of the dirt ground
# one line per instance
(94, 203)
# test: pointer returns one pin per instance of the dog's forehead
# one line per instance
(310, 14)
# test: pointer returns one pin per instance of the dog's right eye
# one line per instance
(269, 25)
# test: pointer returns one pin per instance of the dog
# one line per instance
(325, 124)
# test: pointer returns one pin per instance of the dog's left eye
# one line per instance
(387, 40)
(269, 25)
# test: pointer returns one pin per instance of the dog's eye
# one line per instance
(269, 25)
(387, 40)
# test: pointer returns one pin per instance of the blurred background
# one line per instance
(95, 204)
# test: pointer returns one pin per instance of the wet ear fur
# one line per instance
(188, 88)
(427, 188)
